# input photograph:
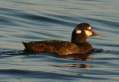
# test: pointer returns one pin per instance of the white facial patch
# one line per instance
(89, 27)
(88, 33)
(78, 31)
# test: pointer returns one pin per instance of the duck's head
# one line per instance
(82, 32)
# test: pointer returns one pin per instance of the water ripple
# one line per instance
(41, 20)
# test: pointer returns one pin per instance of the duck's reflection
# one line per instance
(81, 58)
(74, 65)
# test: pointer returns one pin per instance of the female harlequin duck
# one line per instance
(77, 47)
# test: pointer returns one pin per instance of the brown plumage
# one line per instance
(77, 47)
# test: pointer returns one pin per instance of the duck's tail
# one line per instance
(25, 45)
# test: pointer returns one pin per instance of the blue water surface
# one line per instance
(33, 20)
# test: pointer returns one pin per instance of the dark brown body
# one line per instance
(62, 48)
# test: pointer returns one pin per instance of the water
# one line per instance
(31, 20)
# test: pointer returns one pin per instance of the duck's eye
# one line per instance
(78, 31)
(89, 27)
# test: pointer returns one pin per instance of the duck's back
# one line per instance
(52, 46)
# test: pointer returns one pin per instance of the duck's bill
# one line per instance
(94, 33)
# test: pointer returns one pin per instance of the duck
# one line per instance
(77, 47)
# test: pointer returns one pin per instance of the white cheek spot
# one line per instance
(89, 27)
(88, 33)
(78, 31)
